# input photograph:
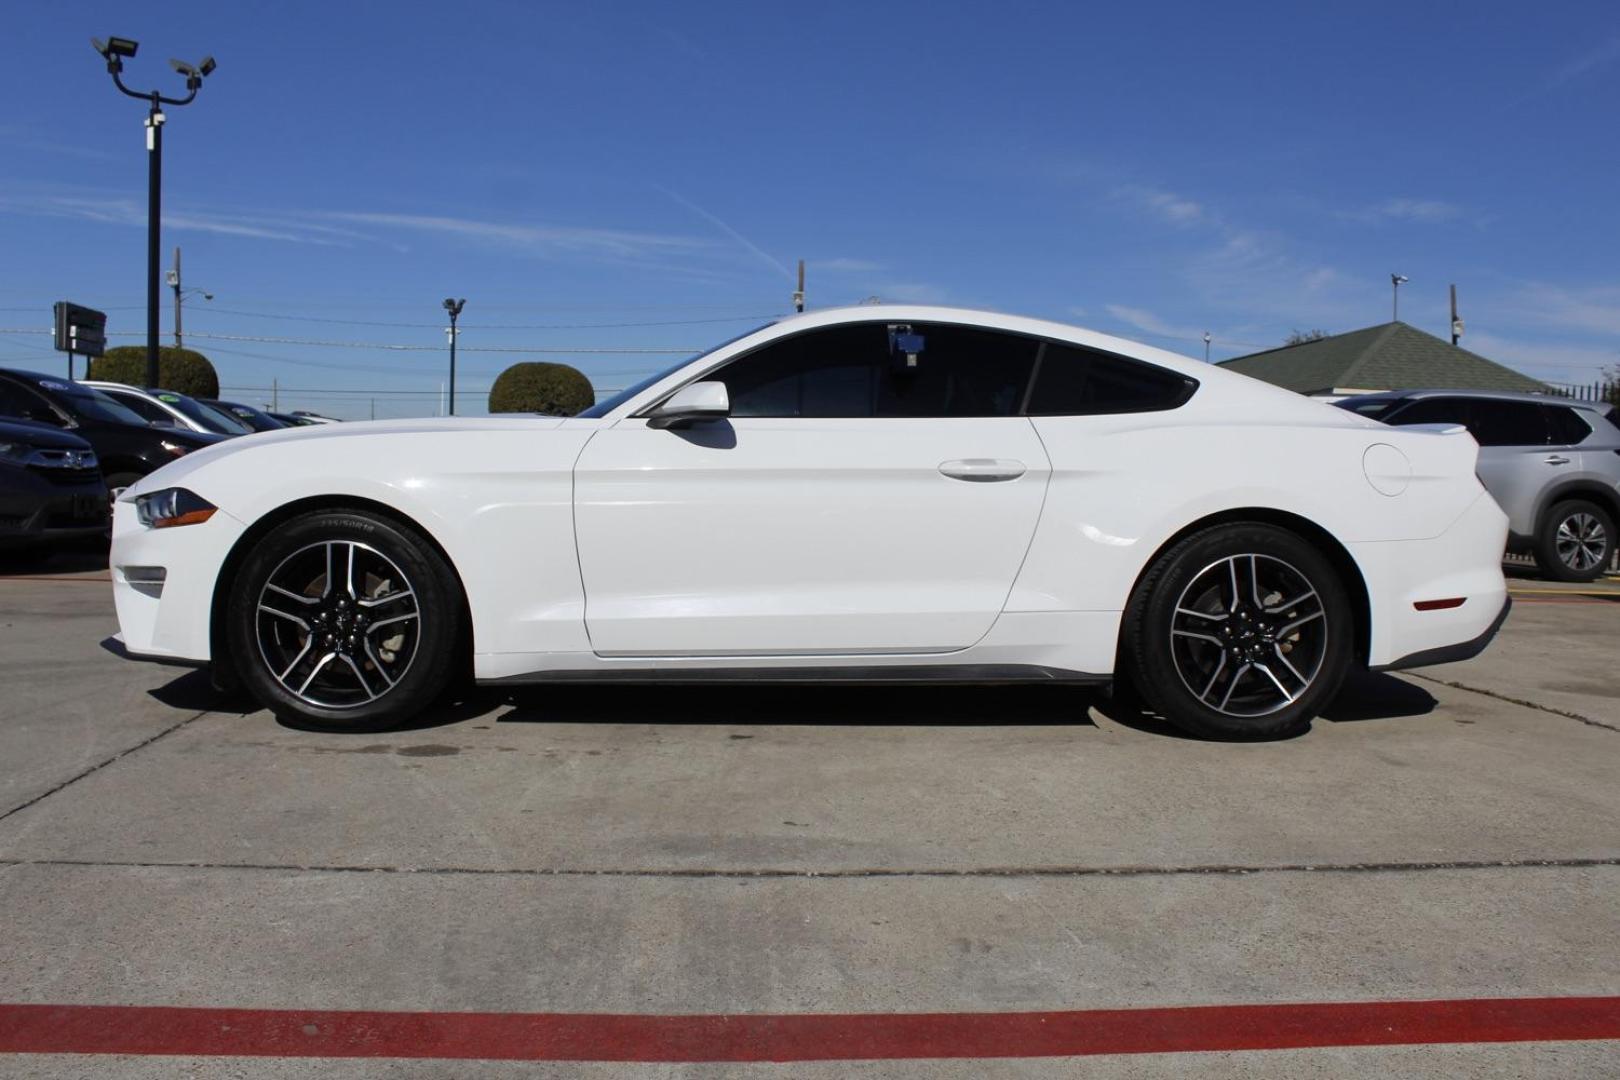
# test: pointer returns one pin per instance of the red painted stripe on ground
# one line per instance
(116, 1029)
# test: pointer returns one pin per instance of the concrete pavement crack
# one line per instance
(148, 741)
(1587, 720)
(915, 872)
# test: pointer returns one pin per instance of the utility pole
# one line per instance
(454, 308)
(1395, 283)
(275, 395)
(1456, 322)
(174, 280)
(798, 294)
(1207, 340)
(114, 50)
(180, 294)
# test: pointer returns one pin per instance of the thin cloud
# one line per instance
(748, 245)
(844, 266)
(1166, 205)
(1589, 61)
(1415, 211)
(114, 211)
(539, 239)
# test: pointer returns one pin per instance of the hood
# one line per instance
(437, 425)
(339, 438)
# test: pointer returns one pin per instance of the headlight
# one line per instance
(171, 507)
(17, 453)
(175, 448)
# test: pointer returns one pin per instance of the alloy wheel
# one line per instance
(1249, 635)
(338, 624)
(1581, 542)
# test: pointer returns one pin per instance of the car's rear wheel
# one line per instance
(1239, 631)
(344, 621)
(1575, 541)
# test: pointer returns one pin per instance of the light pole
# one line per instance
(114, 50)
(179, 295)
(454, 308)
(1395, 283)
(1207, 340)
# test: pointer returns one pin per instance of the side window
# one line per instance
(1565, 426)
(852, 371)
(961, 371)
(1508, 423)
(146, 410)
(824, 373)
(1081, 382)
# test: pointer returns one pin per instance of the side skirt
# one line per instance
(891, 674)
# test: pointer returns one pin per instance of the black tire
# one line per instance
(1575, 541)
(374, 682)
(1184, 627)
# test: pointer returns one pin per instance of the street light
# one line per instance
(1395, 283)
(454, 308)
(115, 50)
(1207, 340)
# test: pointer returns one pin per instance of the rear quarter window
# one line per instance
(1072, 381)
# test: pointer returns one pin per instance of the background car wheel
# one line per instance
(1239, 631)
(1575, 541)
(344, 621)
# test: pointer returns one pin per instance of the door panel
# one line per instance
(792, 535)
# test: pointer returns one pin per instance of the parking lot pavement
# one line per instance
(708, 853)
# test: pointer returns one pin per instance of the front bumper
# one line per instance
(38, 513)
(171, 621)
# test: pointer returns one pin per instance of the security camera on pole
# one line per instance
(114, 50)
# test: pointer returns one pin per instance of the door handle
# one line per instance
(983, 470)
(1556, 459)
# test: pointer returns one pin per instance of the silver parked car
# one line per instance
(1552, 463)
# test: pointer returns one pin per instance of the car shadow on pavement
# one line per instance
(1366, 695)
(805, 705)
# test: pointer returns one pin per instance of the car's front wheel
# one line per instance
(344, 621)
(1239, 631)
(1575, 541)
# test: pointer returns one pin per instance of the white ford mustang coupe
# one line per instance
(875, 494)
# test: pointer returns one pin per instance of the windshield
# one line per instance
(607, 405)
(212, 419)
(88, 404)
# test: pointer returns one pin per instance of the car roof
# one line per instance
(1492, 395)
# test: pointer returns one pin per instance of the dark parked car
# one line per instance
(1551, 463)
(51, 490)
(257, 419)
(126, 446)
(293, 419)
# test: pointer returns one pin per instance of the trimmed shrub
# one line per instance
(184, 371)
(538, 387)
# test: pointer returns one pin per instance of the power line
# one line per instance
(678, 350)
(215, 310)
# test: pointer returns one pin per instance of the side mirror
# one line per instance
(693, 402)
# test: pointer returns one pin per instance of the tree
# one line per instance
(537, 387)
(185, 371)
(1300, 337)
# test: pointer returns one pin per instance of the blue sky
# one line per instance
(1151, 170)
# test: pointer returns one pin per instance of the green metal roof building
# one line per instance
(1393, 356)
